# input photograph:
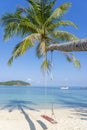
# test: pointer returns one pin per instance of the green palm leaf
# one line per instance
(41, 49)
(49, 6)
(57, 13)
(46, 66)
(8, 18)
(76, 61)
(38, 9)
(26, 44)
(52, 26)
(64, 36)
(23, 46)
(30, 13)
(71, 58)
(34, 5)
(10, 60)
(10, 30)
(15, 24)
(26, 23)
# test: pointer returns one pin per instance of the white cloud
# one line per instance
(29, 80)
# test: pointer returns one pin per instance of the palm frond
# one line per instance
(46, 66)
(35, 6)
(64, 36)
(76, 61)
(8, 18)
(22, 9)
(57, 13)
(15, 24)
(50, 5)
(71, 58)
(68, 57)
(41, 49)
(10, 30)
(23, 46)
(10, 60)
(64, 23)
(30, 13)
(25, 22)
(42, 10)
(26, 44)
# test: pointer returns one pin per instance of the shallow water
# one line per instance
(41, 97)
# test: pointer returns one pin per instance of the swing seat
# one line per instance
(51, 120)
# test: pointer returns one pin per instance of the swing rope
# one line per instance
(45, 86)
(51, 77)
(45, 91)
(50, 119)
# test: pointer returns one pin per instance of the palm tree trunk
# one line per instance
(78, 45)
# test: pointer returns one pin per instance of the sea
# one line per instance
(29, 97)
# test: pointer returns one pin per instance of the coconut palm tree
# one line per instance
(39, 23)
(78, 45)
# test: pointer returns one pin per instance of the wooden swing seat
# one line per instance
(51, 120)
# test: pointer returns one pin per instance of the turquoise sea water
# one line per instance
(41, 97)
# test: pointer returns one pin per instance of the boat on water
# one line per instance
(64, 87)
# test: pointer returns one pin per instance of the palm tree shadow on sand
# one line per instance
(21, 106)
(15, 104)
(82, 112)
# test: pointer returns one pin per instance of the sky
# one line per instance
(27, 67)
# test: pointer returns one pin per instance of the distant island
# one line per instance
(14, 83)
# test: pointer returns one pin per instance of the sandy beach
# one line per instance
(24, 119)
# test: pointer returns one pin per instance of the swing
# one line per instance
(50, 119)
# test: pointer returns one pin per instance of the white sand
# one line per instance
(68, 119)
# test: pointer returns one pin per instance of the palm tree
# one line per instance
(39, 23)
(78, 45)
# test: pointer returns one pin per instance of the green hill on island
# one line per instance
(14, 83)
